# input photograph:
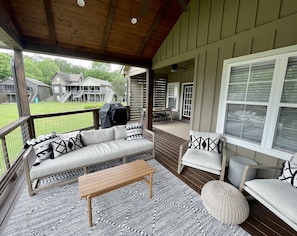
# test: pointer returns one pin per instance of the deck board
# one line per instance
(260, 222)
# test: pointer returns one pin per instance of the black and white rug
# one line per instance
(175, 209)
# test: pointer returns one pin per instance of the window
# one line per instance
(258, 103)
(56, 89)
(173, 95)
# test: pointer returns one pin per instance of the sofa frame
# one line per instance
(29, 158)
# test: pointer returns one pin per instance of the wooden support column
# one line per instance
(149, 98)
(20, 84)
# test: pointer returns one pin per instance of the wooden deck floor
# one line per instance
(260, 222)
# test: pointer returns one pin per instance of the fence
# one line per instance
(14, 136)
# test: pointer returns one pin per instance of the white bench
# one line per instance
(101, 145)
(277, 195)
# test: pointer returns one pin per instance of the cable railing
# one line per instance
(14, 136)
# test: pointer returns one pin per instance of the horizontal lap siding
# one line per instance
(212, 31)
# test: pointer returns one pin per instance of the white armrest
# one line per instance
(246, 169)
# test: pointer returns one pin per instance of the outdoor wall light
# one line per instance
(81, 3)
(133, 20)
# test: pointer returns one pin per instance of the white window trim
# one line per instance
(176, 88)
(265, 146)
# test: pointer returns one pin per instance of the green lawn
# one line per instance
(9, 112)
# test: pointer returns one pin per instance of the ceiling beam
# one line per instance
(50, 23)
(9, 28)
(109, 20)
(152, 28)
(83, 53)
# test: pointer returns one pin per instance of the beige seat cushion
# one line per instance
(208, 161)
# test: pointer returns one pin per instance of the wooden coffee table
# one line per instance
(100, 182)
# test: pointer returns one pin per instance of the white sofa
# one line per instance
(278, 195)
(99, 146)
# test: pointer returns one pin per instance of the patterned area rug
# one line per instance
(175, 209)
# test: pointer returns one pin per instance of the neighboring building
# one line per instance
(37, 91)
(73, 87)
(65, 85)
(95, 90)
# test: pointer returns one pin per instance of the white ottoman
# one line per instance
(235, 170)
(225, 202)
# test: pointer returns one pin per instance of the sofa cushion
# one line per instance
(274, 193)
(205, 141)
(91, 155)
(62, 146)
(134, 131)
(120, 132)
(68, 135)
(41, 146)
(89, 137)
(208, 161)
(289, 173)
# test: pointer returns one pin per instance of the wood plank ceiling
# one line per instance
(101, 30)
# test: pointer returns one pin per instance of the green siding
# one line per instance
(212, 31)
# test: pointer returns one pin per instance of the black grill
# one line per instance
(112, 114)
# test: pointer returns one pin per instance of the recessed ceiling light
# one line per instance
(81, 3)
(133, 20)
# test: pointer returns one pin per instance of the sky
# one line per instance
(79, 62)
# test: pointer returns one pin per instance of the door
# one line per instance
(187, 100)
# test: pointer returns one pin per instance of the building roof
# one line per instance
(33, 81)
(70, 79)
(37, 82)
(90, 81)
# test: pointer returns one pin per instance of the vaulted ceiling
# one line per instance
(101, 30)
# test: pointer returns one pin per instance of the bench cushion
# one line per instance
(208, 161)
(90, 155)
(89, 137)
(275, 194)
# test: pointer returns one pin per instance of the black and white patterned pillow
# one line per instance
(289, 173)
(41, 146)
(134, 131)
(61, 147)
(205, 141)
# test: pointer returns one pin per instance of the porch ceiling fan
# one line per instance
(175, 68)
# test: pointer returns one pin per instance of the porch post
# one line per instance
(149, 98)
(20, 84)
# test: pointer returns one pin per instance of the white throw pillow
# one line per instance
(289, 173)
(41, 146)
(62, 146)
(134, 131)
(205, 141)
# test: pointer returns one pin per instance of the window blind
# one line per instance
(248, 84)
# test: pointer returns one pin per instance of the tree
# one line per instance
(100, 70)
(31, 69)
(48, 68)
(67, 67)
(5, 68)
(119, 87)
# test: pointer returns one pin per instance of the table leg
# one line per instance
(89, 199)
(151, 185)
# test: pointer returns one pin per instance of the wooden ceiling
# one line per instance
(101, 30)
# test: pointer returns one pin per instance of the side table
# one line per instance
(235, 170)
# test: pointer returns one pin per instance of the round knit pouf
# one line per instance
(225, 202)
